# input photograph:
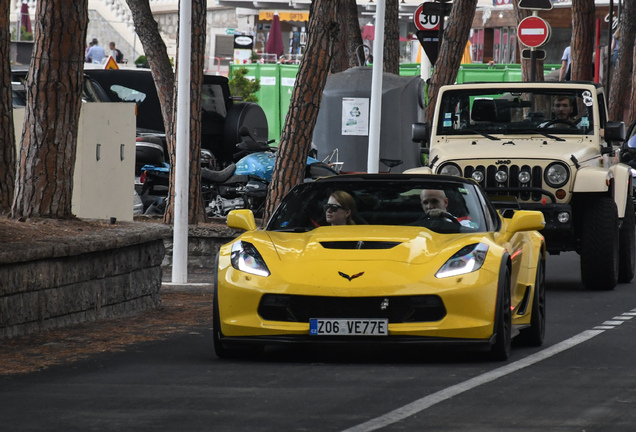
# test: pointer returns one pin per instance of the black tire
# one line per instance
(219, 348)
(627, 244)
(599, 244)
(535, 334)
(503, 325)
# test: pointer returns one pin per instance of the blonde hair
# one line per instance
(347, 201)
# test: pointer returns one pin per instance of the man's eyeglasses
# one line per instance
(333, 207)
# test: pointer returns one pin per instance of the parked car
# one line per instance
(221, 116)
(471, 275)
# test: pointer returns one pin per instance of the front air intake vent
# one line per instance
(359, 244)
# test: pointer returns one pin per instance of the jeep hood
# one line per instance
(515, 148)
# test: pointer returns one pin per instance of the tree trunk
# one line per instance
(349, 38)
(620, 88)
(391, 52)
(297, 133)
(632, 103)
(452, 50)
(7, 134)
(155, 49)
(44, 185)
(164, 78)
(582, 45)
(196, 209)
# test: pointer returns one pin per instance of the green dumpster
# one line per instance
(287, 80)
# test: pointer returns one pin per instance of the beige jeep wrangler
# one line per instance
(550, 146)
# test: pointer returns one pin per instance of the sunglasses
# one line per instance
(333, 207)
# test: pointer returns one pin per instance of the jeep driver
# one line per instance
(550, 146)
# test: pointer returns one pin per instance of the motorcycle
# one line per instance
(245, 184)
(240, 185)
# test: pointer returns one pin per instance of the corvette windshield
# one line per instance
(549, 112)
(387, 202)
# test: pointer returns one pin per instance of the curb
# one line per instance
(187, 287)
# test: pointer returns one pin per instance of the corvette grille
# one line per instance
(512, 171)
(398, 309)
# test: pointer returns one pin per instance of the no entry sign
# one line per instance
(533, 31)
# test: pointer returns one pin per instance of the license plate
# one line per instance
(349, 327)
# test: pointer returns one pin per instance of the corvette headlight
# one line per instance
(469, 259)
(246, 258)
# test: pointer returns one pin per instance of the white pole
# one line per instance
(375, 115)
(180, 239)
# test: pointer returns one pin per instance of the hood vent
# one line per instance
(359, 244)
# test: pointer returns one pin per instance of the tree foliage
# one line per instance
(44, 183)
(244, 87)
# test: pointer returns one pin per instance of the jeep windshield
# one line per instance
(550, 112)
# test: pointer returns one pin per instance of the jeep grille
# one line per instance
(489, 183)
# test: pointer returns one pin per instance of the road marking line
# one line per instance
(442, 395)
(613, 323)
(624, 318)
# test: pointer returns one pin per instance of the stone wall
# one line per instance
(110, 273)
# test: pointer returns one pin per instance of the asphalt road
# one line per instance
(582, 379)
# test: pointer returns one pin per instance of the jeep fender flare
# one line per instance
(616, 180)
(622, 186)
(593, 179)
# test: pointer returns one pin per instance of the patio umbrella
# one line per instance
(25, 20)
(368, 33)
(274, 43)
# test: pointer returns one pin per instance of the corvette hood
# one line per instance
(409, 245)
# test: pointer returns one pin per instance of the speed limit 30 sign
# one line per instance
(423, 21)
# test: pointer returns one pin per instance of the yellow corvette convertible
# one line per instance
(383, 258)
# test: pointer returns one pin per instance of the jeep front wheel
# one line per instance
(599, 244)
(627, 246)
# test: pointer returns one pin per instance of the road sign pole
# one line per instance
(533, 64)
(441, 31)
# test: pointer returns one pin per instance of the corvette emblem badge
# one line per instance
(385, 304)
(350, 278)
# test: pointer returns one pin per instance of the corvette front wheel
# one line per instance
(503, 324)
(219, 347)
(534, 335)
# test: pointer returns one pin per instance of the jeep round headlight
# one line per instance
(478, 176)
(450, 169)
(501, 176)
(556, 175)
(524, 177)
